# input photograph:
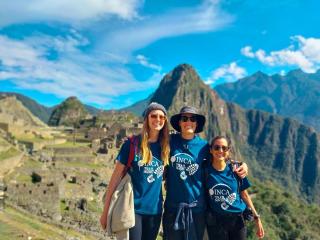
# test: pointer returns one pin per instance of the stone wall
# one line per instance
(40, 198)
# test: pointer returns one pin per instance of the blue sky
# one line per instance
(112, 53)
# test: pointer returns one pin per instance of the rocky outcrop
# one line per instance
(68, 113)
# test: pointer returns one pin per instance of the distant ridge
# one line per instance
(13, 112)
(295, 95)
(138, 107)
(38, 110)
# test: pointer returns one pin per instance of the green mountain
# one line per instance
(296, 95)
(283, 215)
(68, 113)
(40, 111)
(276, 148)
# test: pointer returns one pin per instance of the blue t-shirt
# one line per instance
(146, 179)
(185, 173)
(222, 190)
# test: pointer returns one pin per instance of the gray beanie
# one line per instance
(154, 106)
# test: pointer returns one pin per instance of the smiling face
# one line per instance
(156, 120)
(220, 149)
(188, 124)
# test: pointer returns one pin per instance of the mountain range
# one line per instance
(276, 148)
(295, 95)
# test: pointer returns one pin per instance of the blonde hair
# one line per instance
(146, 153)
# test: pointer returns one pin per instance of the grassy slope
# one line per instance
(17, 225)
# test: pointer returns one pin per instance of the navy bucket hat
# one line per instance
(201, 119)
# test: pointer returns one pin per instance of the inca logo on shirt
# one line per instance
(185, 164)
(222, 193)
(153, 170)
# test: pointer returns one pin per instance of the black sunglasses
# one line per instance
(186, 118)
(218, 148)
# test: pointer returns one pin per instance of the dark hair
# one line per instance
(228, 141)
(221, 137)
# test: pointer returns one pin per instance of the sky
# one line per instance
(113, 53)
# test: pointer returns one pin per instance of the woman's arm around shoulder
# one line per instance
(242, 170)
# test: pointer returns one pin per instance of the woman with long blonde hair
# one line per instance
(146, 174)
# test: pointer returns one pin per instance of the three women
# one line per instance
(185, 205)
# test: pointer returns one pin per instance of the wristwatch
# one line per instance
(257, 216)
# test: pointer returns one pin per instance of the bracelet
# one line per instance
(257, 216)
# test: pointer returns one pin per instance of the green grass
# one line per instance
(14, 224)
(8, 232)
(11, 152)
(69, 145)
(32, 164)
(22, 178)
(88, 165)
(34, 139)
(93, 206)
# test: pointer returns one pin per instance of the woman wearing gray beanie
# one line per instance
(146, 174)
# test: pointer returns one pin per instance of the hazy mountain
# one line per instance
(295, 95)
(12, 111)
(38, 110)
(92, 110)
(68, 113)
(276, 148)
(138, 107)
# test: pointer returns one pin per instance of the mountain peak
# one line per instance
(184, 67)
(12, 111)
(259, 74)
(68, 113)
(179, 85)
(296, 73)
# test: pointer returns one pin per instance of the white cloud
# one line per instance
(303, 53)
(247, 51)
(204, 18)
(26, 64)
(145, 62)
(70, 11)
(95, 68)
(229, 72)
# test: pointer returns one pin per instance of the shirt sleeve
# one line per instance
(123, 154)
(245, 184)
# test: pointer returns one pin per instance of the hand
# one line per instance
(260, 230)
(103, 221)
(242, 171)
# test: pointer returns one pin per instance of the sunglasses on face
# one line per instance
(186, 118)
(218, 148)
(155, 116)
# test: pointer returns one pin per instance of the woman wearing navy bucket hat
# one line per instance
(185, 204)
